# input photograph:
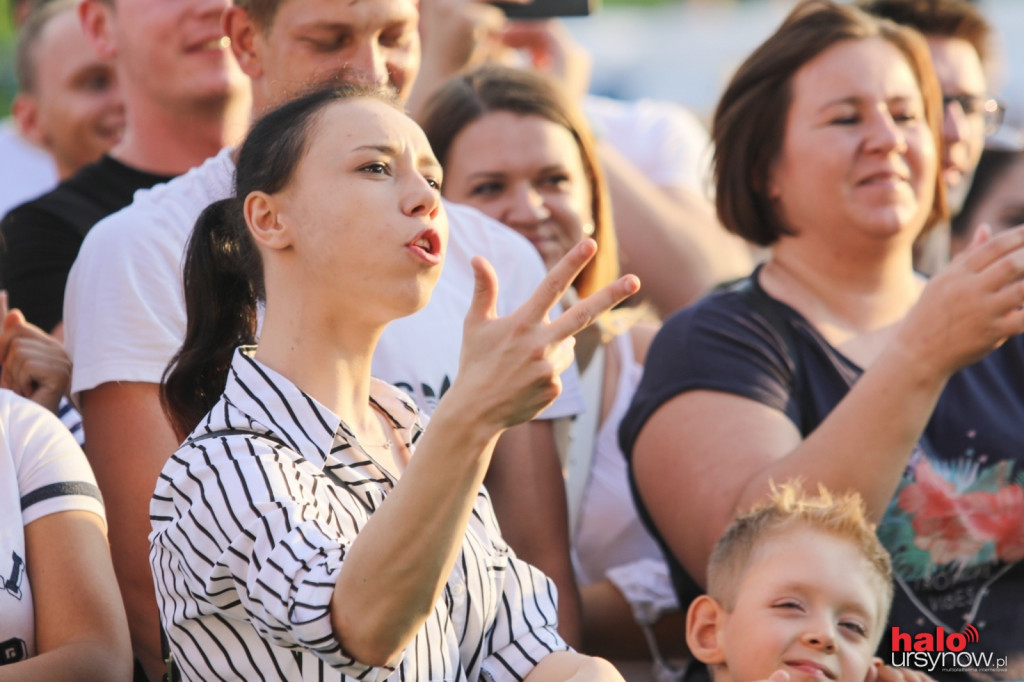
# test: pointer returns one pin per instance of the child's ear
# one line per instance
(705, 620)
(874, 670)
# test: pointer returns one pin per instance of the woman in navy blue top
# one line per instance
(835, 362)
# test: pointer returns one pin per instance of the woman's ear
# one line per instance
(705, 621)
(266, 222)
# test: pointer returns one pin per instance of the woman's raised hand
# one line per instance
(512, 364)
(35, 365)
(972, 306)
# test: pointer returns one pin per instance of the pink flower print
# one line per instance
(938, 521)
(998, 517)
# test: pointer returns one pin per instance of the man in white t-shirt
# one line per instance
(125, 316)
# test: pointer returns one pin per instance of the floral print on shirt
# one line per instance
(953, 529)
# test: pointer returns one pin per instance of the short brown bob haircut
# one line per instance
(468, 98)
(750, 121)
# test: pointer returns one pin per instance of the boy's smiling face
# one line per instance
(809, 604)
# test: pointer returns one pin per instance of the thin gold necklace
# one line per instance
(386, 445)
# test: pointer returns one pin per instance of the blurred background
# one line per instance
(685, 50)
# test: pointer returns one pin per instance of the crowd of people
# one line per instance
(741, 403)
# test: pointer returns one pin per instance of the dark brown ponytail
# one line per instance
(222, 279)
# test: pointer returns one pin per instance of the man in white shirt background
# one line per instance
(68, 100)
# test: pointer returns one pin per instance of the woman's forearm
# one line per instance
(80, 625)
(706, 455)
(396, 569)
(965, 312)
(569, 666)
(81, 660)
(865, 442)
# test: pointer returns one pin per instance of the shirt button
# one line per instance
(459, 592)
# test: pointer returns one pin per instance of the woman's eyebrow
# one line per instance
(429, 161)
(388, 149)
(853, 100)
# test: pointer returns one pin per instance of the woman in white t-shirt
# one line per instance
(514, 147)
(61, 616)
(294, 531)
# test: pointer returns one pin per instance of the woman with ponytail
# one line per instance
(294, 535)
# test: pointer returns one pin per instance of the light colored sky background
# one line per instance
(686, 52)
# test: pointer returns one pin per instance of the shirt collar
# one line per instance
(275, 406)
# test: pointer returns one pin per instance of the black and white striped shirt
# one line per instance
(250, 531)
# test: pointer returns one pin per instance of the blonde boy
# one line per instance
(798, 589)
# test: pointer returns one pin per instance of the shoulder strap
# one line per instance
(582, 435)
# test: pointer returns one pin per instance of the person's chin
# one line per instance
(957, 185)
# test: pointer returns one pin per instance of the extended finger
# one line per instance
(485, 291)
(13, 323)
(16, 377)
(1003, 271)
(581, 315)
(1009, 298)
(564, 355)
(983, 254)
(1012, 323)
(889, 674)
(42, 358)
(45, 373)
(558, 280)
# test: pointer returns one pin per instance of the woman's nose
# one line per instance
(421, 199)
(885, 134)
(526, 208)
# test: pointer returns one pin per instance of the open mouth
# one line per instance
(427, 245)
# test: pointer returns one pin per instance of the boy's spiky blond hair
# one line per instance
(790, 507)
